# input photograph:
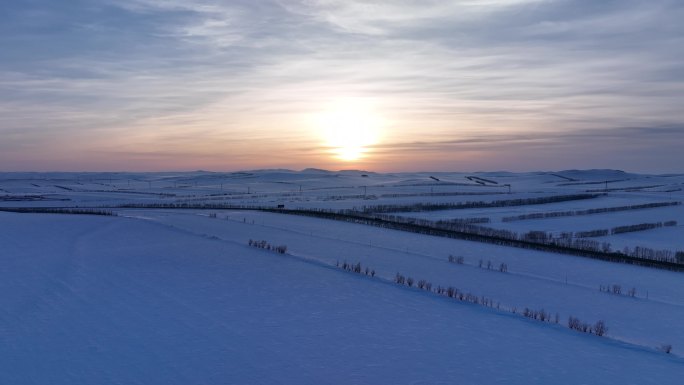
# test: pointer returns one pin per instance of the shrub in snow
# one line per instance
(617, 289)
(458, 260)
(424, 285)
(680, 256)
(357, 268)
(544, 316)
(537, 236)
(600, 328)
(573, 323)
(605, 247)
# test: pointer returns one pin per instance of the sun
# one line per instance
(349, 128)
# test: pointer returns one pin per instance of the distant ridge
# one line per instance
(593, 171)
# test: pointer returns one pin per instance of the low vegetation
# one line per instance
(281, 249)
(602, 210)
(47, 210)
(29, 198)
(415, 207)
(539, 240)
(599, 328)
(355, 268)
(617, 290)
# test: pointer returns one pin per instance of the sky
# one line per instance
(406, 85)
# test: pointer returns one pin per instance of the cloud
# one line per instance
(161, 74)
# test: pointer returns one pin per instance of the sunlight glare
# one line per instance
(349, 127)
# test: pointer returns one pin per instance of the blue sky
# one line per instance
(227, 85)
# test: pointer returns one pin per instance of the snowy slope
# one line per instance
(561, 284)
(91, 300)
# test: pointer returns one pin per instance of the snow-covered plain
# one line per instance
(170, 296)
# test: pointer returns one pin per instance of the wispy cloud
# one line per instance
(234, 80)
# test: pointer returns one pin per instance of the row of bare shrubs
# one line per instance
(450, 292)
(189, 205)
(599, 328)
(490, 266)
(641, 227)
(281, 249)
(623, 229)
(355, 268)
(459, 260)
(475, 220)
(45, 210)
(617, 289)
(556, 214)
(475, 204)
(570, 240)
(440, 194)
(626, 189)
(29, 198)
(592, 233)
(575, 241)
(540, 315)
(565, 243)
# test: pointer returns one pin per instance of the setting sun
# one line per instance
(348, 128)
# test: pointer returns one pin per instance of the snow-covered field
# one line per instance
(177, 296)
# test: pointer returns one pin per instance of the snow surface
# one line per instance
(178, 297)
(116, 300)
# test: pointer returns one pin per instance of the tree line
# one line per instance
(538, 240)
(556, 214)
(416, 207)
(48, 210)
